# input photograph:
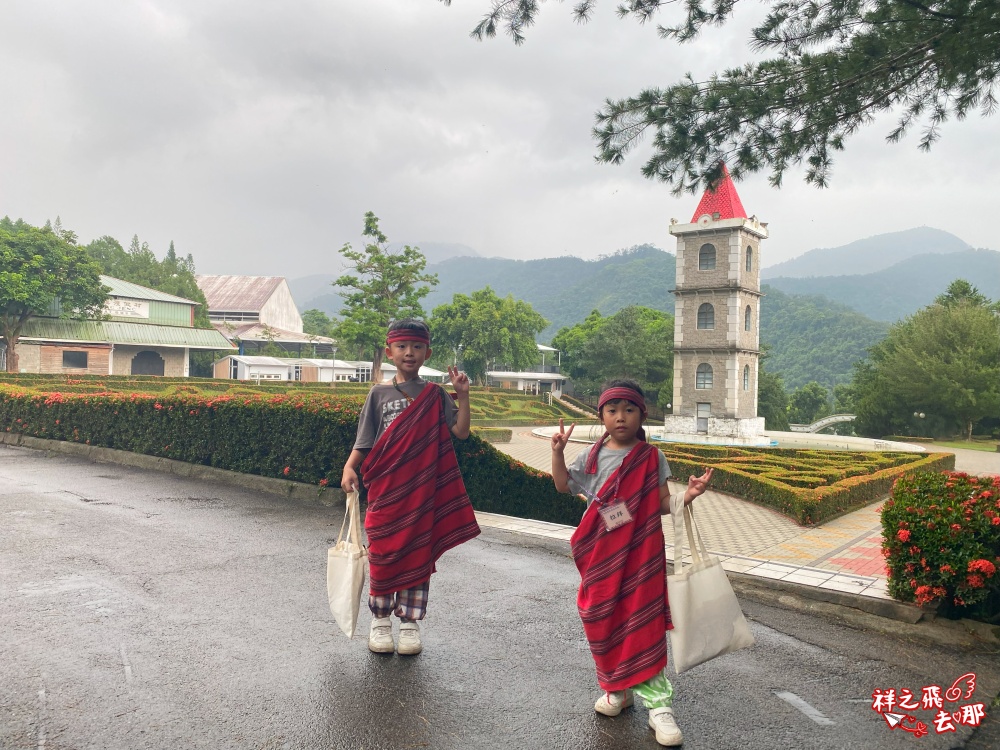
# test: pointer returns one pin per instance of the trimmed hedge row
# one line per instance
(941, 540)
(808, 486)
(303, 436)
(494, 434)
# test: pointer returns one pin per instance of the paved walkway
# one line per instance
(843, 555)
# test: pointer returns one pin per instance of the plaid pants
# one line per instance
(408, 604)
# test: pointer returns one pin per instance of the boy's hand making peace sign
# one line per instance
(459, 380)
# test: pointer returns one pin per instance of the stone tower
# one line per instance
(717, 322)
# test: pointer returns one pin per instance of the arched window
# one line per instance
(746, 377)
(706, 316)
(706, 258)
(703, 379)
(746, 318)
(749, 259)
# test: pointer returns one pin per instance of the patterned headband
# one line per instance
(620, 392)
(408, 334)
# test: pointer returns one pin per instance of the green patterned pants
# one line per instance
(656, 692)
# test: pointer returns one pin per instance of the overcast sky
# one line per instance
(255, 134)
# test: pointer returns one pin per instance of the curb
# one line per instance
(880, 615)
(330, 496)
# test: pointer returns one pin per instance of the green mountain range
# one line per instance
(816, 327)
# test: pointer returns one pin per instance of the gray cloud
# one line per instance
(256, 134)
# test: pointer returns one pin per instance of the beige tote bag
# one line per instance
(345, 569)
(707, 618)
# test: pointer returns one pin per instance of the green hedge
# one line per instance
(494, 434)
(941, 539)
(808, 486)
(304, 437)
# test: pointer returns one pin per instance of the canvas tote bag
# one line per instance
(345, 569)
(707, 618)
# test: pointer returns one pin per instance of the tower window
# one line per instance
(746, 318)
(749, 259)
(703, 378)
(746, 377)
(706, 316)
(706, 258)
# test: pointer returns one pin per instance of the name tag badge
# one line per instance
(615, 515)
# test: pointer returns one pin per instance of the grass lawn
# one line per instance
(989, 446)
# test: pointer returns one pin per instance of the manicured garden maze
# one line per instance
(808, 486)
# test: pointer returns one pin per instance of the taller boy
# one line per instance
(417, 505)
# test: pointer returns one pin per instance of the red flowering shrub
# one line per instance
(297, 434)
(942, 542)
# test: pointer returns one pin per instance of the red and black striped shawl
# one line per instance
(417, 505)
(623, 592)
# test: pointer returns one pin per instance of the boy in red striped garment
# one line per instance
(417, 504)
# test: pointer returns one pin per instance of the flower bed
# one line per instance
(808, 486)
(941, 540)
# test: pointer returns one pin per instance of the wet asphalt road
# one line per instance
(144, 610)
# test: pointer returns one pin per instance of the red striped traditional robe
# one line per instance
(623, 594)
(417, 505)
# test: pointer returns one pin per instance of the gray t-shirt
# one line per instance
(608, 460)
(385, 403)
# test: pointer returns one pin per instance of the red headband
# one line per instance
(612, 394)
(620, 392)
(408, 334)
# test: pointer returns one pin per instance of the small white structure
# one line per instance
(533, 383)
(258, 369)
(321, 370)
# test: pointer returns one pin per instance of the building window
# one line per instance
(706, 258)
(746, 377)
(749, 259)
(75, 360)
(746, 318)
(703, 378)
(706, 316)
(234, 369)
(703, 413)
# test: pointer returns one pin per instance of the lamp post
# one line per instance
(334, 366)
(920, 415)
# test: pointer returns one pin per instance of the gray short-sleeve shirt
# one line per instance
(385, 403)
(608, 460)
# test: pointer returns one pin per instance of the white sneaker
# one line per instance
(661, 720)
(409, 639)
(611, 704)
(380, 636)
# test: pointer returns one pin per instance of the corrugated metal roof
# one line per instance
(114, 332)
(121, 288)
(238, 293)
(256, 332)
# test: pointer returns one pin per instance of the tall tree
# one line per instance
(808, 403)
(772, 400)
(317, 323)
(635, 342)
(139, 265)
(943, 361)
(834, 67)
(488, 330)
(39, 268)
(384, 286)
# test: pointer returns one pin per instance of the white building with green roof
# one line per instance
(143, 332)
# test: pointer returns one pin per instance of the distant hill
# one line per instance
(564, 290)
(812, 338)
(868, 255)
(902, 289)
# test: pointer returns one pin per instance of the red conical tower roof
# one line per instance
(724, 201)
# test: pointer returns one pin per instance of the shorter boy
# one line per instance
(619, 550)
(417, 505)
